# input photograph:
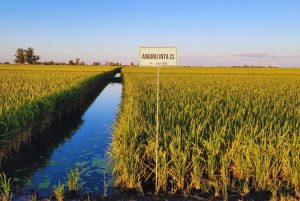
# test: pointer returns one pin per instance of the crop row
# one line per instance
(221, 130)
(29, 93)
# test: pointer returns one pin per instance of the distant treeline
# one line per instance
(78, 62)
(82, 63)
(28, 56)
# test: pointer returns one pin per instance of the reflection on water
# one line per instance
(82, 142)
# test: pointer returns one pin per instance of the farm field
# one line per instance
(29, 93)
(222, 131)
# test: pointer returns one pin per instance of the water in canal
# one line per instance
(82, 141)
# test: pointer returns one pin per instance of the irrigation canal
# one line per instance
(81, 140)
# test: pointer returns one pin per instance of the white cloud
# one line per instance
(263, 54)
(255, 54)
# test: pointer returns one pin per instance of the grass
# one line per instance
(5, 187)
(73, 179)
(72, 183)
(29, 93)
(222, 131)
(33, 197)
(59, 191)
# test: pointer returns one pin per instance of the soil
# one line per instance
(263, 196)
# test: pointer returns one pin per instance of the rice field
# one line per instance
(28, 93)
(221, 130)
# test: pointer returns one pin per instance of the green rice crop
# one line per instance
(28, 93)
(73, 180)
(222, 130)
(5, 187)
(59, 191)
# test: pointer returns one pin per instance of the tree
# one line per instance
(49, 63)
(77, 61)
(96, 63)
(82, 63)
(20, 56)
(30, 57)
(132, 64)
(71, 62)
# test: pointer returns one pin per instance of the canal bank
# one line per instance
(80, 139)
(47, 111)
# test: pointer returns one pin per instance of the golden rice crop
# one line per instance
(29, 92)
(222, 130)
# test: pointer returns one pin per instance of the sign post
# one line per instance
(156, 57)
(157, 131)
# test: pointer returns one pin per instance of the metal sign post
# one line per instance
(156, 57)
(157, 131)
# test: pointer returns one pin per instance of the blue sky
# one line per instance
(211, 32)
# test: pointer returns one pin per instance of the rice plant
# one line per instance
(29, 93)
(33, 197)
(5, 187)
(222, 130)
(73, 179)
(59, 191)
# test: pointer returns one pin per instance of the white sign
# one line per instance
(154, 56)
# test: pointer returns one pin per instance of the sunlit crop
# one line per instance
(28, 93)
(222, 130)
